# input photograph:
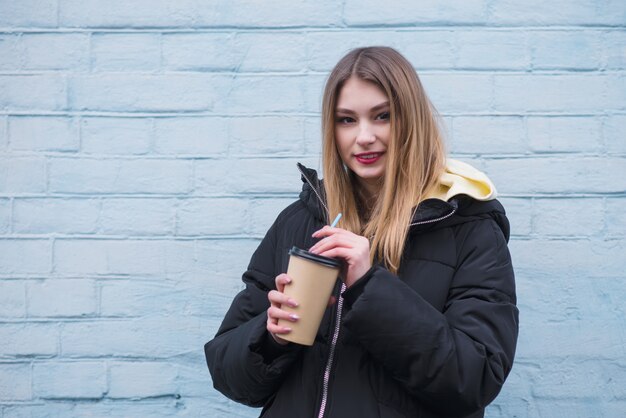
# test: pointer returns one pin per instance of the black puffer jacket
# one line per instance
(436, 340)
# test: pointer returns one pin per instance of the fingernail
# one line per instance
(292, 302)
(287, 329)
(294, 317)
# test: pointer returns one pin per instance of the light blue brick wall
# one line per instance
(146, 146)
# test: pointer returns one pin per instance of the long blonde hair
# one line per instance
(415, 153)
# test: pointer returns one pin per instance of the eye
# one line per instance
(383, 116)
(344, 120)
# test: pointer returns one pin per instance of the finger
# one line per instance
(281, 281)
(277, 298)
(327, 230)
(332, 242)
(277, 329)
(275, 314)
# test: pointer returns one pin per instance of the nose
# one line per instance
(365, 135)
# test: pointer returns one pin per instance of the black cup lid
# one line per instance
(327, 261)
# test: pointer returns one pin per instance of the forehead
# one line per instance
(356, 92)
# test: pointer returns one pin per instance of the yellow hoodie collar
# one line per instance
(461, 178)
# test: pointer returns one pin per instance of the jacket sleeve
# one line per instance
(456, 361)
(244, 364)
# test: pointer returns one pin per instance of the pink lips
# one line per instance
(368, 157)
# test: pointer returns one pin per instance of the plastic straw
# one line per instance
(336, 221)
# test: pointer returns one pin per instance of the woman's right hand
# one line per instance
(277, 298)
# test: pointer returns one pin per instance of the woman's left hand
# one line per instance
(352, 248)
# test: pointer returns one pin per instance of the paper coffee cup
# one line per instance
(313, 278)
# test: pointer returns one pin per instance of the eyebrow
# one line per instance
(374, 109)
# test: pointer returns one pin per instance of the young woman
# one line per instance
(423, 322)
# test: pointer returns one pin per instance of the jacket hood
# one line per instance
(460, 178)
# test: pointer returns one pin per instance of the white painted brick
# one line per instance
(55, 51)
(5, 216)
(4, 140)
(558, 175)
(58, 380)
(212, 51)
(28, 13)
(125, 52)
(224, 258)
(507, 50)
(115, 135)
(126, 257)
(34, 133)
(119, 176)
(565, 134)
(519, 213)
(266, 135)
(15, 252)
(579, 50)
(137, 216)
(22, 175)
(615, 49)
(15, 382)
(41, 410)
(133, 92)
(582, 216)
(615, 134)
(567, 378)
(407, 12)
(458, 92)
(46, 92)
(10, 52)
(154, 337)
(616, 216)
(12, 299)
(28, 339)
(488, 135)
(263, 213)
(127, 298)
(205, 294)
(44, 216)
(211, 217)
(61, 298)
(538, 12)
(193, 135)
(249, 175)
(313, 137)
(425, 49)
(142, 379)
(270, 51)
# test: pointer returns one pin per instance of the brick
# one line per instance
(615, 50)
(425, 49)
(200, 51)
(55, 51)
(40, 410)
(62, 298)
(10, 52)
(565, 134)
(224, 258)
(196, 13)
(34, 133)
(458, 92)
(12, 299)
(142, 379)
(194, 135)
(154, 337)
(28, 13)
(211, 217)
(615, 134)
(46, 92)
(145, 92)
(519, 213)
(15, 382)
(110, 135)
(263, 213)
(267, 135)
(125, 52)
(549, 93)
(575, 378)
(249, 176)
(137, 216)
(265, 93)
(119, 176)
(566, 217)
(13, 251)
(28, 339)
(540, 13)
(429, 12)
(131, 298)
(4, 140)
(127, 257)
(615, 216)
(508, 50)
(577, 50)
(259, 51)
(488, 135)
(44, 216)
(557, 175)
(313, 137)
(5, 216)
(59, 380)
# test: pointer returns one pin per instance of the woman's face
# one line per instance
(363, 130)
